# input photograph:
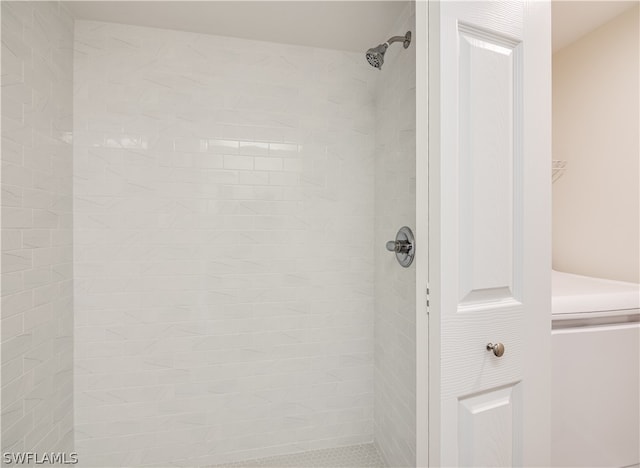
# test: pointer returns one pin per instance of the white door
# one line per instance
(489, 232)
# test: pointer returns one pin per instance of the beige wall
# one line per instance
(596, 208)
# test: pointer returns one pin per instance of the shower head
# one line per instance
(375, 55)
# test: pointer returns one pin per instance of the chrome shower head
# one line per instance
(375, 55)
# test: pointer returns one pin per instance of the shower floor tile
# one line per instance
(364, 455)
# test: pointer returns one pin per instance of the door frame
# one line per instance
(422, 232)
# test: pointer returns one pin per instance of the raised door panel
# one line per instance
(487, 433)
(490, 153)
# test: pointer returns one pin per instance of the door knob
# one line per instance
(498, 349)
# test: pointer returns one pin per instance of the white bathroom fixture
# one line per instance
(595, 377)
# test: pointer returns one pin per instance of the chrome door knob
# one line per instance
(498, 349)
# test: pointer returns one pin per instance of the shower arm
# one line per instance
(406, 39)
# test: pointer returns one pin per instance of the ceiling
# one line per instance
(343, 25)
(573, 19)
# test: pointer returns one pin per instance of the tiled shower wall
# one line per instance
(224, 213)
(37, 308)
(395, 338)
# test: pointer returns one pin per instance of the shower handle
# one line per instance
(401, 246)
(404, 246)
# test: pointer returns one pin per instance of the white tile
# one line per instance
(223, 146)
(268, 164)
(34, 238)
(12, 196)
(395, 287)
(284, 178)
(255, 148)
(17, 218)
(238, 162)
(11, 239)
(17, 260)
(37, 185)
(253, 178)
(205, 262)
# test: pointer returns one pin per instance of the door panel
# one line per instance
(488, 434)
(489, 233)
(489, 85)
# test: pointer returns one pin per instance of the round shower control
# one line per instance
(404, 246)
